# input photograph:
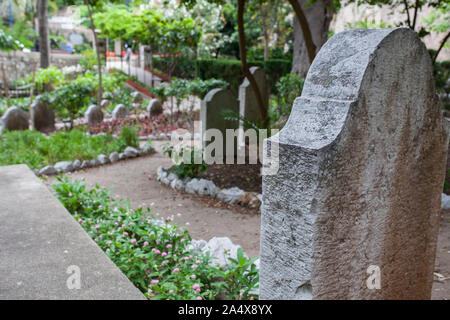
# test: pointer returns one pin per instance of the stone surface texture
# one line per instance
(154, 107)
(42, 118)
(361, 170)
(119, 112)
(211, 107)
(94, 115)
(247, 100)
(41, 240)
(14, 119)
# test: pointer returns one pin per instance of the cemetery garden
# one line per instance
(205, 150)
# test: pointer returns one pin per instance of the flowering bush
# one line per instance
(154, 254)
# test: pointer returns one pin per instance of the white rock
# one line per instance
(177, 184)
(160, 173)
(85, 164)
(172, 176)
(94, 162)
(64, 166)
(76, 164)
(122, 156)
(220, 249)
(103, 159)
(230, 195)
(48, 170)
(130, 152)
(114, 157)
(445, 201)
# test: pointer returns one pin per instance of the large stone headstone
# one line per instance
(42, 117)
(94, 115)
(119, 112)
(154, 107)
(14, 119)
(361, 169)
(211, 107)
(248, 106)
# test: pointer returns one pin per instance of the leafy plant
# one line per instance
(154, 254)
(185, 159)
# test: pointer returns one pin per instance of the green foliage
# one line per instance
(69, 100)
(184, 158)
(181, 88)
(128, 137)
(8, 43)
(442, 82)
(22, 34)
(89, 60)
(154, 254)
(49, 77)
(37, 150)
(289, 87)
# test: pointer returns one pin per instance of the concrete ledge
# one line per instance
(39, 240)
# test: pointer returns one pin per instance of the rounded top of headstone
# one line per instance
(257, 72)
(339, 67)
(217, 92)
(350, 66)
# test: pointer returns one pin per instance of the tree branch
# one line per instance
(310, 46)
(408, 18)
(447, 36)
(99, 61)
(416, 8)
(245, 69)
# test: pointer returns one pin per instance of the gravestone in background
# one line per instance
(42, 117)
(248, 107)
(14, 119)
(215, 102)
(119, 112)
(154, 107)
(93, 115)
(361, 168)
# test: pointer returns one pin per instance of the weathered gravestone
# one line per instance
(93, 115)
(120, 111)
(361, 168)
(42, 118)
(212, 107)
(248, 106)
(154, 107)
(14, 119)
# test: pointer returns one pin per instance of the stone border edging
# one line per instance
(69, 166)
(206, 187)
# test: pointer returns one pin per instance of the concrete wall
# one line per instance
(19, 64)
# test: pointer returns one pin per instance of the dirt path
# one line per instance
(136, 179)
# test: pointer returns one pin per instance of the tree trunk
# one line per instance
(245, 68)
(97, 50)
(319, 18)
(44, 43)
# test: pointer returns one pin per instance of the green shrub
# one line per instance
(183, 169)
(442, 82)
(154, 254)
(37, 150)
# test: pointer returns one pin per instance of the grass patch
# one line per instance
(38, 150)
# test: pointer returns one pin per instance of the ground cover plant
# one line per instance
(38, 150)
(154, 254)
